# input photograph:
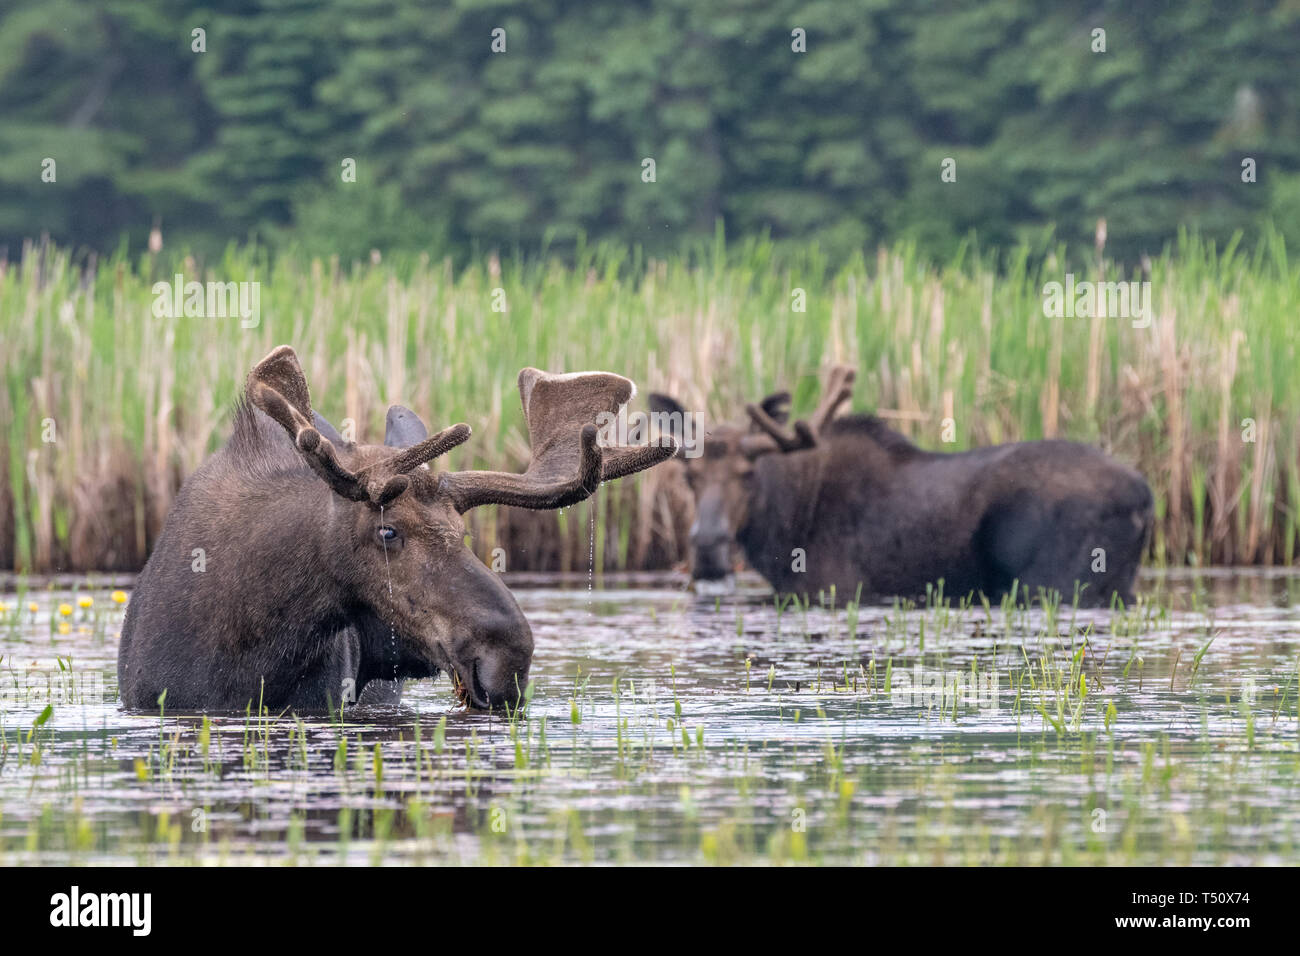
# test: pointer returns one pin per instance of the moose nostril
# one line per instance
(498, 680)
(480, 693)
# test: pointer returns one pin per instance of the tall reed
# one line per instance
(106, 407)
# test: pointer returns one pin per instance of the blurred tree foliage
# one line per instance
(539, 146)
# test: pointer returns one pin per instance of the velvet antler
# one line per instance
(278, 387)
(837, 390)
(567, 464)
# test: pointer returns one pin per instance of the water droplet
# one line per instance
(591, 566)
(392, 633)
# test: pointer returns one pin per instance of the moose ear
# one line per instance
(777, 407)
(665, 404)
(403, 428)
(667, 415)
(325, 428)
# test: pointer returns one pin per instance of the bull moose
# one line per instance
(329, 565)
(849, 502)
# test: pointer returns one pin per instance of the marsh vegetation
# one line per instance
(669, 728)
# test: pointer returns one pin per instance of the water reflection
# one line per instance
(668, 726)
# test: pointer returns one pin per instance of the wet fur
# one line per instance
(329, 561)
(205, 641)
(870, 507)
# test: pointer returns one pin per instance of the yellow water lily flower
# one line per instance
(119, 597)
(33, 606)
(65, 610)
(65, 627)
(85, 601)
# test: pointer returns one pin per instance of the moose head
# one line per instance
(722, 479)
(394, 538)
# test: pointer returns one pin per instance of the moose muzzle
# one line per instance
(710, 538)
(493, 650)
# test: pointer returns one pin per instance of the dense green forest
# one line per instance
(502, 124)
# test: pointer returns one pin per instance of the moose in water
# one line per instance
(852, 504)
(330, 565)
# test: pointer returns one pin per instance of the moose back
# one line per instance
(852, 504)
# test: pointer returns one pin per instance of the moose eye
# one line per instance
(387, 534)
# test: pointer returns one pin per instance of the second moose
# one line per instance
(852, 504)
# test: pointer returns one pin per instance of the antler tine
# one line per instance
(620, 462)
(565, 415)
(316, 449)
(838, 390)
(752, 446)
(786, 441)
(469, 489)
(432, 447)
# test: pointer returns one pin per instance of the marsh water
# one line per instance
(670, 727)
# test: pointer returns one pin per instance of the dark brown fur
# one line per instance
(328, 566)
(868, 509)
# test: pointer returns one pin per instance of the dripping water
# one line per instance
(392, 634)
(591, 562)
